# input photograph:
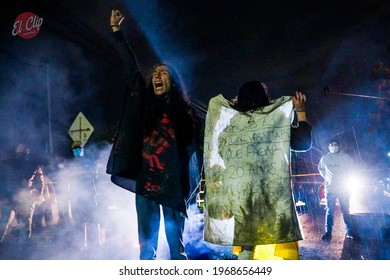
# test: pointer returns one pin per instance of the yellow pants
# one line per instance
(281, 251)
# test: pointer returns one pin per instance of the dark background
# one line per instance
(72, 66)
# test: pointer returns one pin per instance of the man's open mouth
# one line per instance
(158, 85)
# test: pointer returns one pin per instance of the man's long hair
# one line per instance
(251, 96)
(174, 103)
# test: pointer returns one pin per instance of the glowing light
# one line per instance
(355, 182)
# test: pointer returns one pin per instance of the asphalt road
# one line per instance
(66, 241)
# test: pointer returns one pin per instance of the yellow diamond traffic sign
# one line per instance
(81, 129)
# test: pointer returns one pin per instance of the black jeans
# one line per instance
(148, 214)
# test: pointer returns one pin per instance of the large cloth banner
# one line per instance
(248, 197)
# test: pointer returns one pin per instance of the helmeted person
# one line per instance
(82, 196)
(335, 167)
(20, 166)
(16, 180)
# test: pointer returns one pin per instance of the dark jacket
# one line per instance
(129, 162)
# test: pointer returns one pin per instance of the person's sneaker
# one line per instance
(355, 237)
(348, 236)
(326, 236)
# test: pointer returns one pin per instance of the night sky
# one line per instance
(72, 65)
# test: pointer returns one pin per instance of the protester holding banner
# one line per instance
(156, 137)
(249, 202)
